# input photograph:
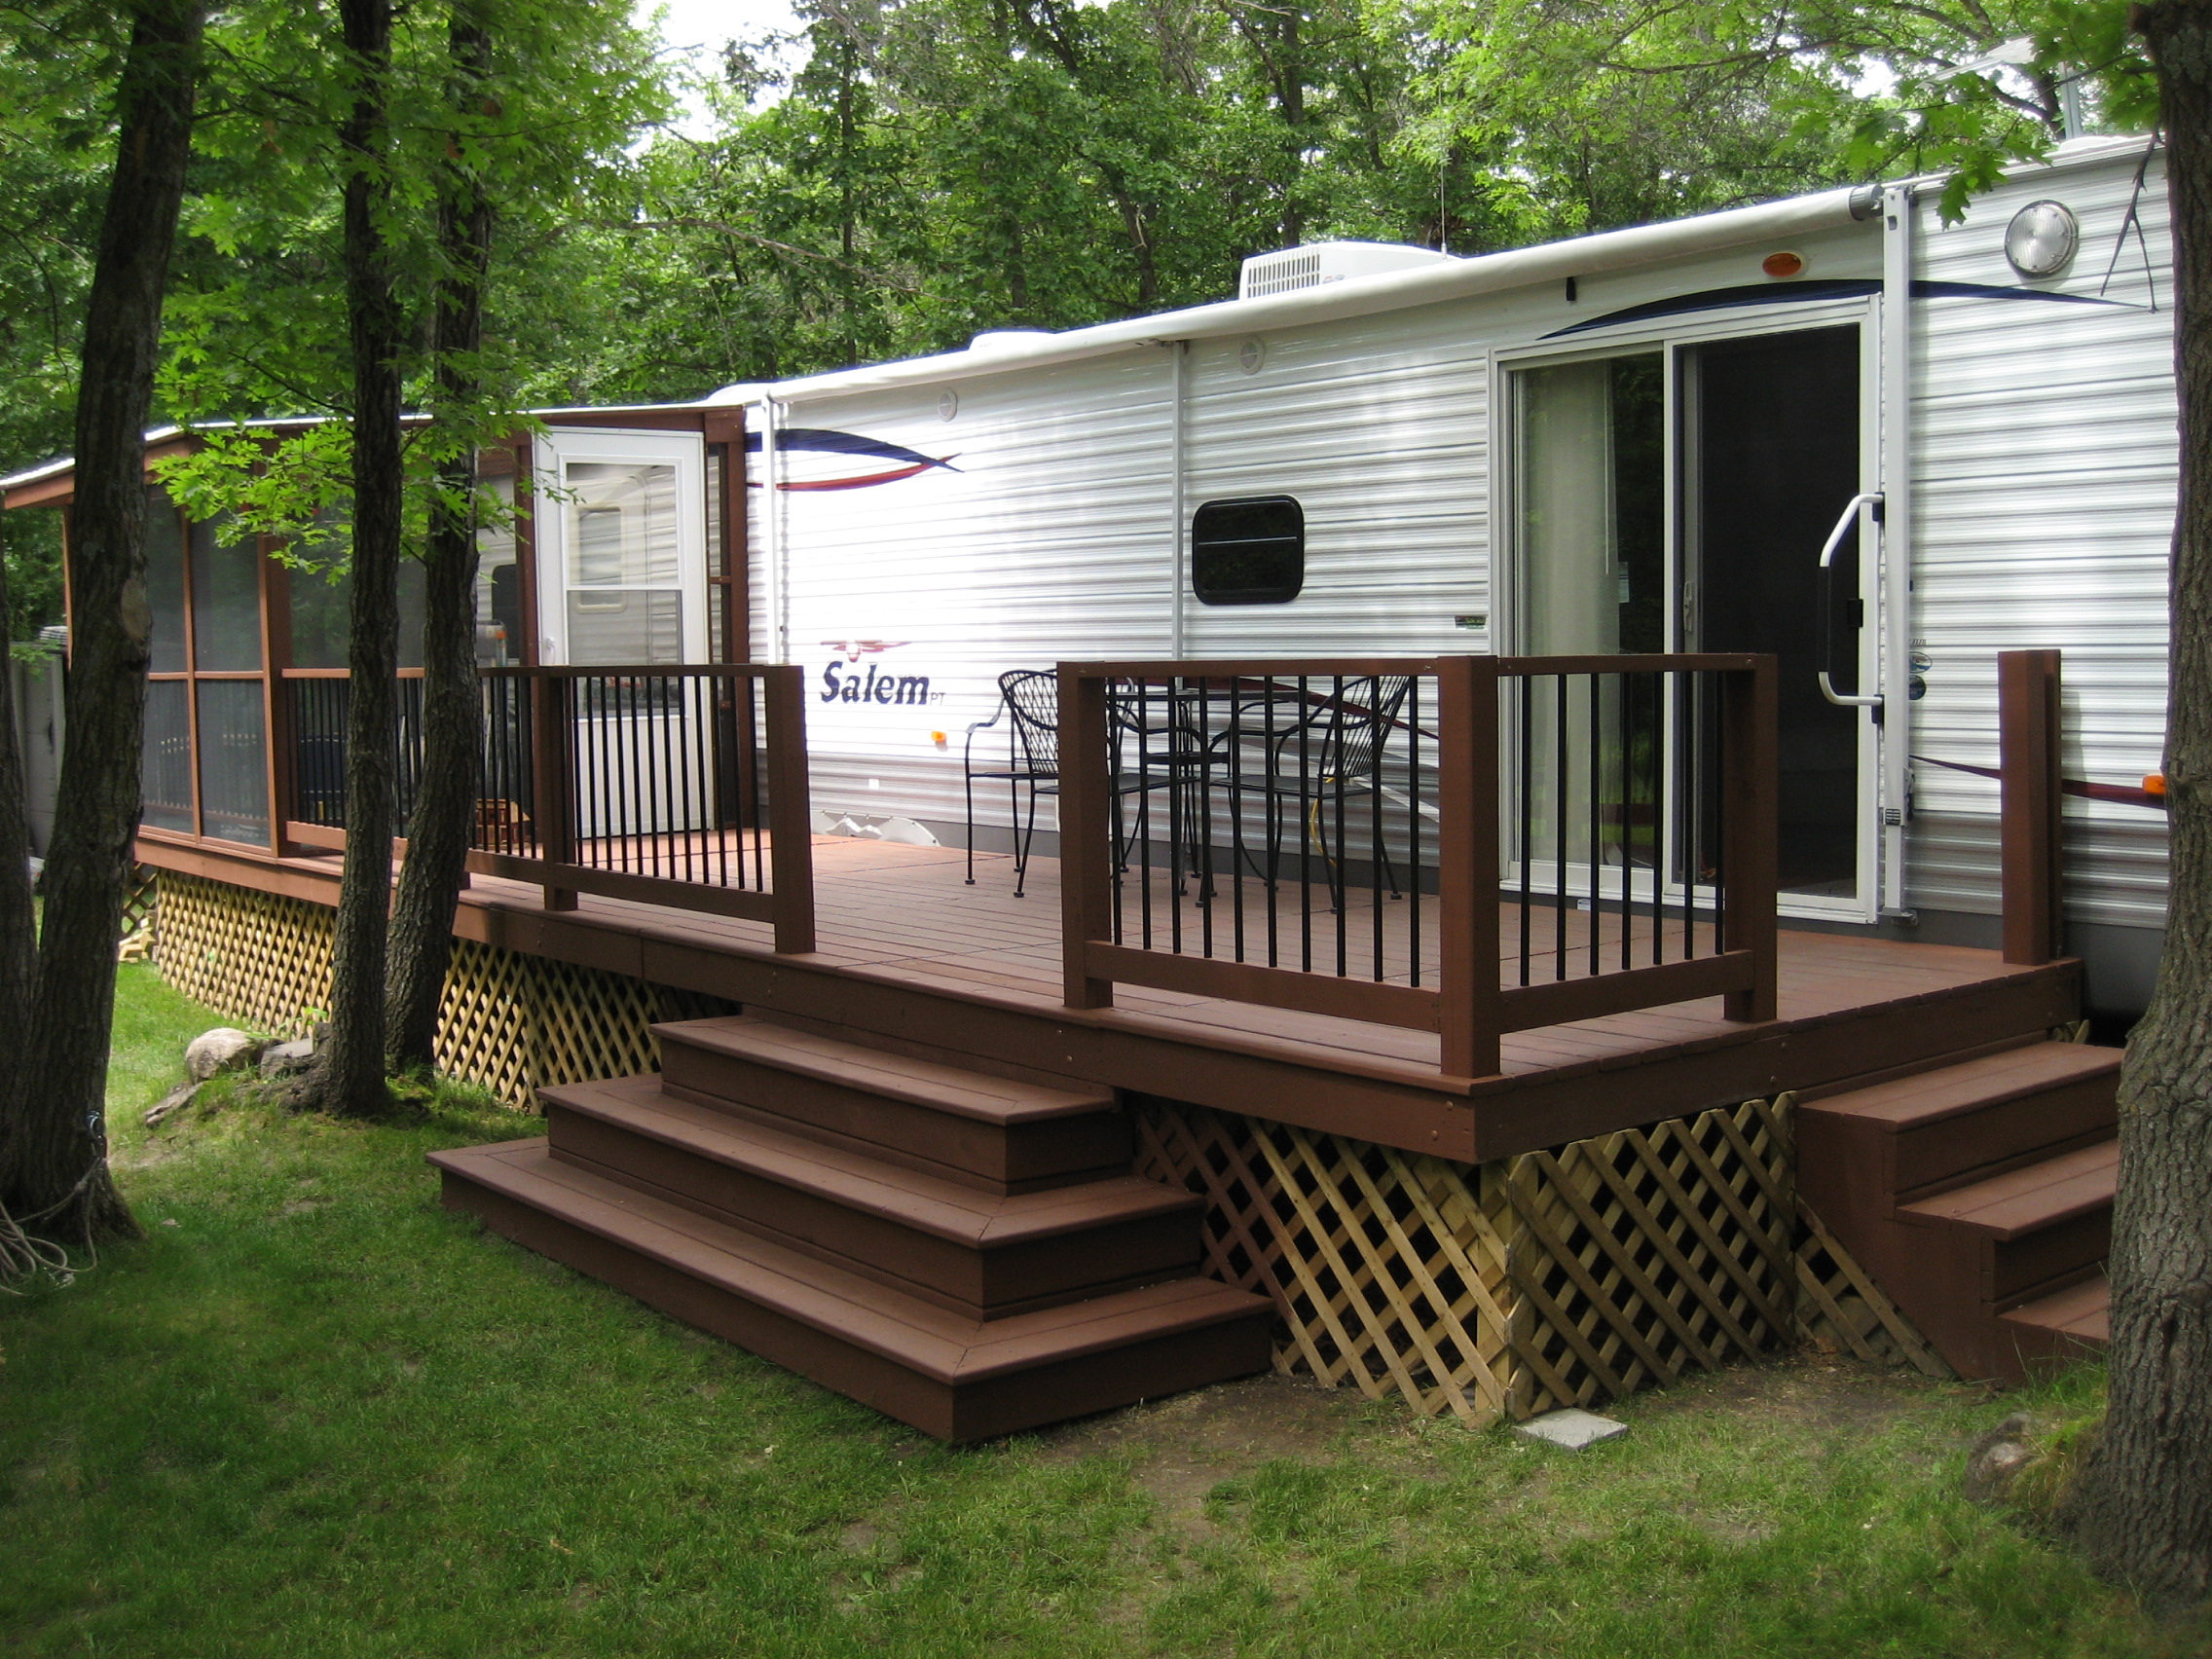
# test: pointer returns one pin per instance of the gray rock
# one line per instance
(283, 1059)
(175, 1100)
(1570, 1428)
(223, 1048)
(1998, 1457)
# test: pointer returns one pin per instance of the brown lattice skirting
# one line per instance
(511, 1022)
(1563, 1277)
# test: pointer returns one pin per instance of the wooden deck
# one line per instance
(911, 955)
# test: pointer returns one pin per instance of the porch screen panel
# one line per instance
(226, 599)
(164, 583)
(322, 603)
(164, 756)
(625, 598)
(234, 760)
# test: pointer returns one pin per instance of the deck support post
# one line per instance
(550, 730)
(791, 810)
(1468, 1007)
(1086, 855)
(2027, 748)
(1750, 827)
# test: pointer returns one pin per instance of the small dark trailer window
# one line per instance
(1250, 551)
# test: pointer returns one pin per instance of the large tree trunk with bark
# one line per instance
(54, 1175)
(348, 1076)
(2142, 1507)
(19, 916)
(440, 827)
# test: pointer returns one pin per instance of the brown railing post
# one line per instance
(1468, 1006)
(550, 732)
(1750, 826)
(791, 810)
(1086, 855)
(2027, 750)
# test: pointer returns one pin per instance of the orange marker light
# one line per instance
(2154, 783)
(1783, 265)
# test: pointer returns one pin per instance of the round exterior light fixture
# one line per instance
(1252, 353)
(1783, 265)
(947, 404)
(2041, 238)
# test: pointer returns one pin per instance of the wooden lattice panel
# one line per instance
(1841, 1309)
(1386, 1267)
(140, 899)
(262, 960)
(1651, 1252)
(1568, 1276)
(510, 1022)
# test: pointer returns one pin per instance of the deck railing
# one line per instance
(1468, 845)
(682, 787)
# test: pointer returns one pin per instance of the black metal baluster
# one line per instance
(1525, 689)
(1562, 807)
(1597, 816)
(1412, 823)
(1305, 806)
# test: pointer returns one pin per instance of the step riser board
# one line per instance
(2006, 1134)
(1012, 1158)
(987, 1283)
(1051, 1393)
(2018, 1269)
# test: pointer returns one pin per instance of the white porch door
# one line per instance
(621, 527)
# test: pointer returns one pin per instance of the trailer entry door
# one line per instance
(1769, 446)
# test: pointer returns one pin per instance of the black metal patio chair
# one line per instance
(1029, 699)
(1328, 753)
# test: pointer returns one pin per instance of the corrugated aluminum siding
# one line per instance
(1378, 426)
(2044, 477)
(1051, 540)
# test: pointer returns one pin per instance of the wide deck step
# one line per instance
(2077, 1319)
(949, 1376)
(962, 1126)
(1978, 1116)
(974, 1251)
(2042, 1196)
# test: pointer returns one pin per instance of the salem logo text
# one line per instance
(845, 682)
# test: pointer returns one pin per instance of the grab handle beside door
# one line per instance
(1826, 619)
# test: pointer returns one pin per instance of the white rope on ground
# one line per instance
(25, 1255)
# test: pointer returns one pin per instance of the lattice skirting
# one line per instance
(1566, 1276)
(511, 1022)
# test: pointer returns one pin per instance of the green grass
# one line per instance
(318, 1416)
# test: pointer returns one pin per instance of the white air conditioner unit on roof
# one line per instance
(1310, 267)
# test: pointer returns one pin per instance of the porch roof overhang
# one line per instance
(53, 483)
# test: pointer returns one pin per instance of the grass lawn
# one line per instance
(316, 1415)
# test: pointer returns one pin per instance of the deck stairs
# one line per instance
(967, 1252)
(1978, 1193)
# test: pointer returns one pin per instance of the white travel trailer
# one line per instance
(1638, 440)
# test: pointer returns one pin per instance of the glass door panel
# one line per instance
(1589, 536)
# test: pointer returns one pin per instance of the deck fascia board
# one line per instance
(1593, 1087)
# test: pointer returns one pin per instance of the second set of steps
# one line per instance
(1979, 1195)
(966, 1252)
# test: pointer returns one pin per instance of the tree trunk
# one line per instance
(2143, 1509)
(349, 1075)
(54, 1174)
(19, 916)
(440, 827)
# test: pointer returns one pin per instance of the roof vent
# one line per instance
(1319, 263)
